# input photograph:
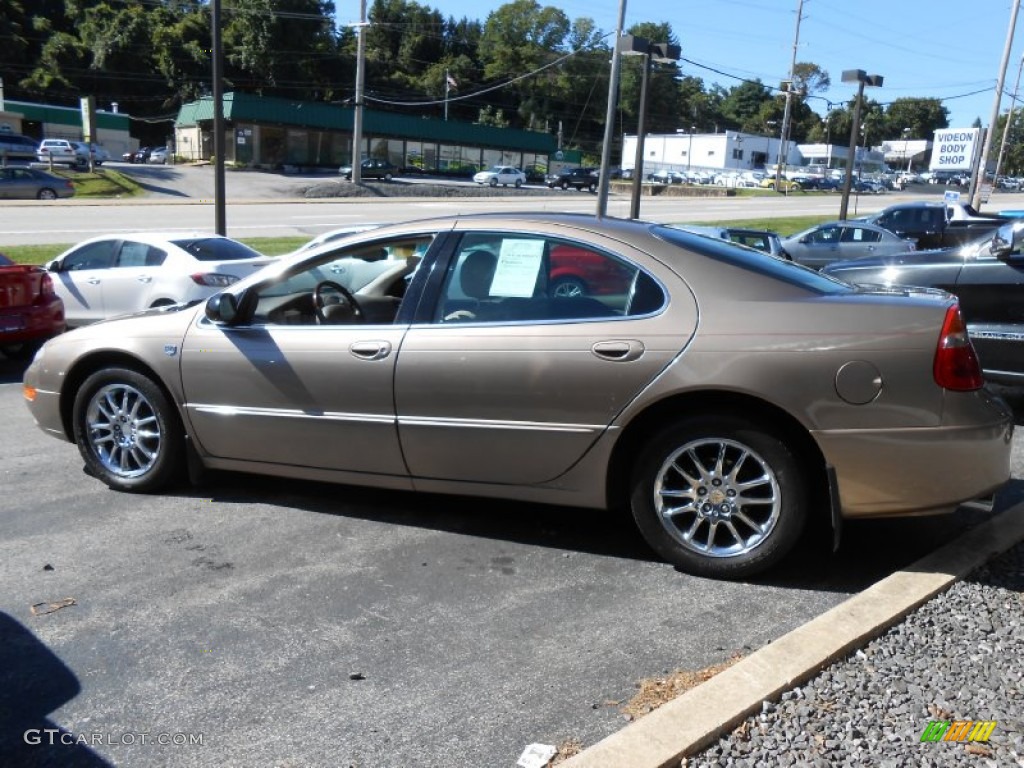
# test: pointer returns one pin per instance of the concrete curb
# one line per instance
(700, 716)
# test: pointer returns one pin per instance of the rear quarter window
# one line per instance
(218, 249)
(752, 261)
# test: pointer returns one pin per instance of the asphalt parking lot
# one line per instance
(298, 624)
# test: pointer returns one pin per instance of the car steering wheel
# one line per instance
(339, 307)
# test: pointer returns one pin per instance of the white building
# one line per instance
(732, 150)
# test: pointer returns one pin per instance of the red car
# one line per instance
(30, 311)
(576, 272)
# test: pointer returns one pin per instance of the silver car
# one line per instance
(839, 240)
(725, 397)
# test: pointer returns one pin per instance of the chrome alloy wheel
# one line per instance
(717, 497)
(123, 430)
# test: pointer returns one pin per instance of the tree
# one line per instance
(518, 39)
(744, 107)
(922, 116)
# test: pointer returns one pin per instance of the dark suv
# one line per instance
(577, 178)
(372, 168)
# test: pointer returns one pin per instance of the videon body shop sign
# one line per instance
(953, 149)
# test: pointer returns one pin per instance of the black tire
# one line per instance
(752, 510)
(519, 183)
(23, 351)
(46, 194)
(565, 185)
(388, 176)
(127, 432)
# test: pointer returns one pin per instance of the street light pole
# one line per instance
(862, 78)
(689, 152)
(638, 157)
(631, 45)
(906, 147)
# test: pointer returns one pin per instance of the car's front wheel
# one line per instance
(127, 431)
(719, 496)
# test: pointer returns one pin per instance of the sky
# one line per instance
(945, 49)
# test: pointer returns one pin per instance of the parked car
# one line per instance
(984, 274)
(666, 176)
(841, 240)
(781, 185)
(158, 156)
(33, 184)
(575, 178)
(372, 168)
(14, 146)
(759, 239)
(30, 311)
(114, 274)
(819, 183)
(63, 152)
(141, 155)
(727, 398)
(336, 234)
(935, 224)
(99, 154)
(501, 174)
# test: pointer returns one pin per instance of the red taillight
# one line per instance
(956, 363)
(45, 287)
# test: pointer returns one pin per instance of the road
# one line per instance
(268, 205)
(299, 624)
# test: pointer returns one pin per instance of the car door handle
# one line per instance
(370, 350)
(93, 281)
(618, 351)
(144, 279)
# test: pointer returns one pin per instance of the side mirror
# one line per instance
(1003, 241)
(53, 266)
(222, 308)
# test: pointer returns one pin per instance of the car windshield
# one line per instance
(752, 259)
(217, 249)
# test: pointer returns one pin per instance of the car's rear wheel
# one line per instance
(519, 183)
(46, 194)
(388, 176)
(126, 430)
(493, 182)
(719, 496)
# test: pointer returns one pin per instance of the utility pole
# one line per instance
(1009, 122)
(609, 117)
(784, 138)
(979, 178)
(357, 116)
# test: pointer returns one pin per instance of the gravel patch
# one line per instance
(406, 189)
(957, 658)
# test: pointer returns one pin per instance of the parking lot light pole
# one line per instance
(862, 78)
(631, 45)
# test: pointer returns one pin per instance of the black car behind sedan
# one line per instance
(986, 274)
